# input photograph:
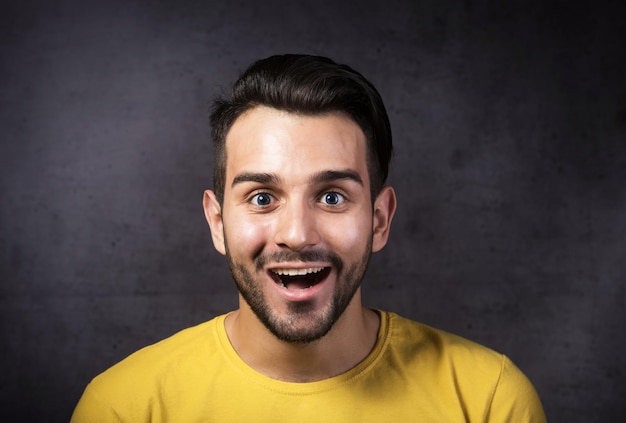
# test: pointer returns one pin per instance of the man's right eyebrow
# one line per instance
(259, 178)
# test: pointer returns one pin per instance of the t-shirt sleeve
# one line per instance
(515, 399)
(92, 409)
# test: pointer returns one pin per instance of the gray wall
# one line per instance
(509, 121)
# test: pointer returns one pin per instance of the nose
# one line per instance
(296, 227)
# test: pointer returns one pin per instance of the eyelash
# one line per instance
(341, 198)
(270, 198)
(260, 194)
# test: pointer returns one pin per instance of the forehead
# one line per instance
(274, 141)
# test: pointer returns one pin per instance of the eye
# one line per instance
(262, 199)
(332, 198)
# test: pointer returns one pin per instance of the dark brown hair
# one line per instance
(307, 85)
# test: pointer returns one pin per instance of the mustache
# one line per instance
(291, 256)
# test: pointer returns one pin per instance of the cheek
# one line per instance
(245, 235)
(348, 235)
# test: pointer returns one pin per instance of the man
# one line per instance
(299, 204)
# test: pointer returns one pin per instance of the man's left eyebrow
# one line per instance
(335, 175)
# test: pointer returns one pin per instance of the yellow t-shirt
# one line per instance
(414, 374)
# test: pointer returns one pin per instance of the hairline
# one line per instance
(370, 159)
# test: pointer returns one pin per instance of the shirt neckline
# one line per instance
(308, 388)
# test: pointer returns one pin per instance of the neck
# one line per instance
(349, 341)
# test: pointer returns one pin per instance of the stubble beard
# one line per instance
(303, 322)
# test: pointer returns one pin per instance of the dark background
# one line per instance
(509, 121)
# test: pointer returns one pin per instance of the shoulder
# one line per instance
(152, 374)
(419, 337)
(159, 357)
(431, 354)
(485, 381)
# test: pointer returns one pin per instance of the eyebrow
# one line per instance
(317, 178)
(335, 175)
(260, 178)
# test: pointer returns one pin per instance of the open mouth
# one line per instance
(299, 278)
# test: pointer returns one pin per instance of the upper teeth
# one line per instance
(297, 272)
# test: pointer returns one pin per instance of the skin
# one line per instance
(297, 197)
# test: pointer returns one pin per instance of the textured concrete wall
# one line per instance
(509, 121)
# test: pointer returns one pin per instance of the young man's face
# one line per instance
(297, 222)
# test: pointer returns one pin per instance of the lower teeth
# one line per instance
(285, 286)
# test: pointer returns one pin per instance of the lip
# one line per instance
(300, 294)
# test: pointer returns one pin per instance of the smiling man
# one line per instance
(301, 151)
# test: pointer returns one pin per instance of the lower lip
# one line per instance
(301, 295)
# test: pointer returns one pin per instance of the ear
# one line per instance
(213, 214)
(384, 208)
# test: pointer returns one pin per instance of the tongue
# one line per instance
(298, 282)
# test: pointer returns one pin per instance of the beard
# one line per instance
(304, 322)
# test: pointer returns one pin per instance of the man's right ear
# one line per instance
(213, 214)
